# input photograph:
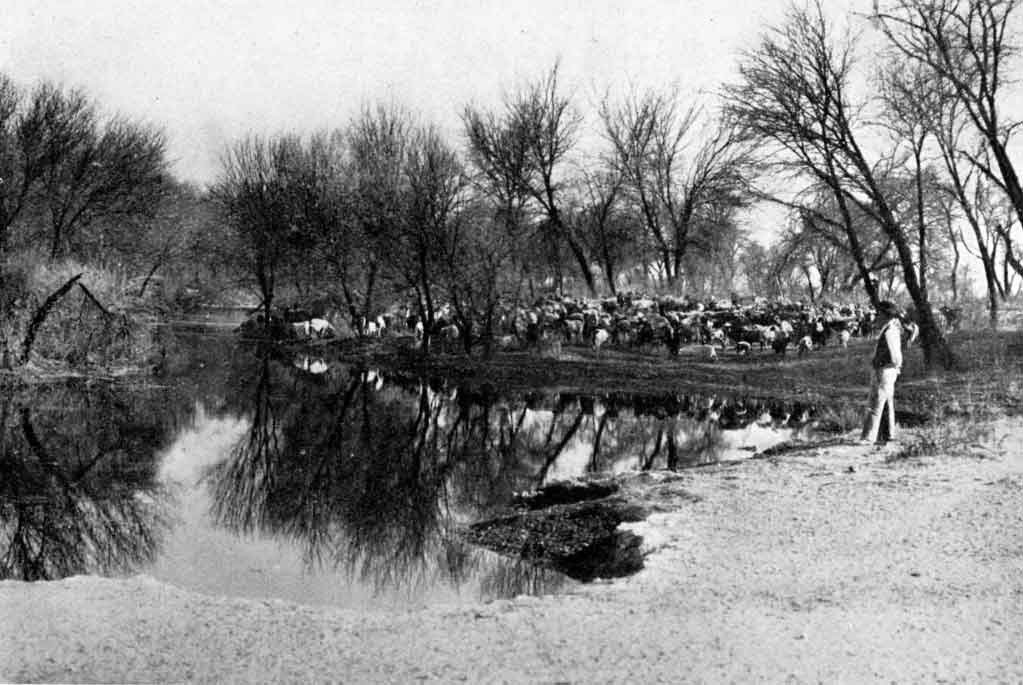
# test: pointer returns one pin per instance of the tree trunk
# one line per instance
(854, 243)
(936, 350)
(55, 242)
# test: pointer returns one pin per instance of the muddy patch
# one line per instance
(564, 493)
(568, 527)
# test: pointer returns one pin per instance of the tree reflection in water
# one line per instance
(78, 487)
(374, 477)
(355, 475)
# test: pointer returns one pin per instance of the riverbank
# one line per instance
(835, 564)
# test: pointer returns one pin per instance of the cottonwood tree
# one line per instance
(38, 131)
(604, 223)
(325, 204)
(527, 144)
(963, 185)
(908, 105)
(755, 263)
(378, 143)
(795, 95)
(820, 218)
(674, 166)
(966, 45)
(116, 170)
(478, 271)
(258, 191)
(425, 235)
(712, 266)
(337, 217)
(494, 171)
(180, 239)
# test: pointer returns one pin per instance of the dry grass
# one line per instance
(77, 331)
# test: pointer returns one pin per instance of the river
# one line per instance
(274, 473)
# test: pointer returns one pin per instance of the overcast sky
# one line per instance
(208, 71)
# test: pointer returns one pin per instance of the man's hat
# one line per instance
(888, 308)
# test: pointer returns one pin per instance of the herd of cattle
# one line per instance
(672, 322)
(627, 320)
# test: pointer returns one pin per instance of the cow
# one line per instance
(449, 333)
(953, 316)
(322, 328)
(912, 332)
(804, 345)
(313, 328)
(312, 366)
(600, 337)
(780, 343)
(748, 334)
(819, 333)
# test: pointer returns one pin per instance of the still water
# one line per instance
(271, 474)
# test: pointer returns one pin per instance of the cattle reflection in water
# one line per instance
(78, 482)
(373, 472)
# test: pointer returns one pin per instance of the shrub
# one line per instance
(945, 438)
(95, 324)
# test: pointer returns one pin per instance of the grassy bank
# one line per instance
(986, 382)
(72, 317)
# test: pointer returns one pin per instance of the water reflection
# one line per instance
(372, 472)
(251, 471)
(78, 487)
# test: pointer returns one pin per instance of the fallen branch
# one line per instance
(95, 301)
(42, 313)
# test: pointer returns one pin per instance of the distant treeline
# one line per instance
(894, 171)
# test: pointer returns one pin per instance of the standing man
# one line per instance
(887, 363)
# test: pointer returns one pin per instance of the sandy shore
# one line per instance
(825, 565)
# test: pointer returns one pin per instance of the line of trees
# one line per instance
(886, 142)
(386, 206)
(892, 170)
(66, 169)
(893, 160)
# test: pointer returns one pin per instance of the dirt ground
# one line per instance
(834, 564)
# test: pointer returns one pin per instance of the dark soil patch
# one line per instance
(564, 492)
(580, 540)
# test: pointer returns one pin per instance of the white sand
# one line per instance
(788, 570)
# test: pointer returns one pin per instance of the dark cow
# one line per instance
(953, 317)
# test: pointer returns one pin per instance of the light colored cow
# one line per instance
(313, 366)
(599, 338)
(804, 345)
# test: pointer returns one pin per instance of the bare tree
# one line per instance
(37, 132)
(604, 223)
(964, 44)
(479, 274)
(795, 93)
(525, 148)
(258, 189)
(966, 186)
(909, 102)
(673, 167)
(434, 189)
(177, 236)
(114, 171)
(378, 147)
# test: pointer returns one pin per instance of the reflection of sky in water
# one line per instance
(341, 486)
(201, 556)
(577, 456)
